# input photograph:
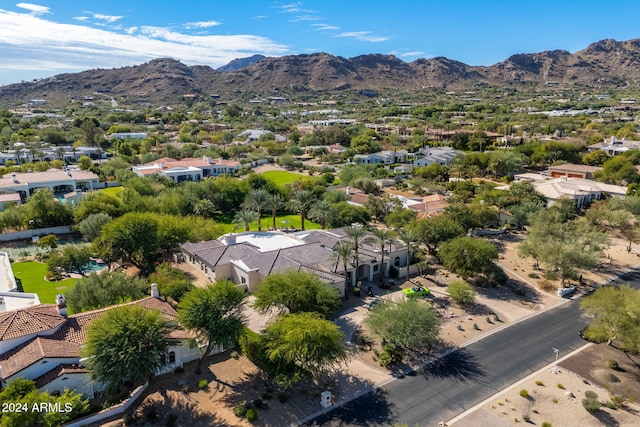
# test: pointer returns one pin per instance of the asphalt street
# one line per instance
(449, 386)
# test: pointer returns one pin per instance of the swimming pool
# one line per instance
(94, 265)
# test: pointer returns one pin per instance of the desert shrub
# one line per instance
(240, 411)
(613, 364)
(476, 327)
(384, 359)
(560, 386)
(251, 415)
(550, 275)
(590, 402)
(461, 292)
(203, 383)
(234, 354)
(526, 418)
(524, 393)
(546, 424)
(534, 275)
(540, 383)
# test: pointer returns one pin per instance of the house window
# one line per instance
(243, 279)
(375, 267)
(172, 357)
(396, 261)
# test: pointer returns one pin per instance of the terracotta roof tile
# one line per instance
(28, 321)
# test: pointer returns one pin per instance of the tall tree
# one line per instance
(296, 291)
(322, 212)
(215, 314)
(256, 200)
(382, 236)
(409, 237)
(468, 256)
(126, 344)
(433, 231)
(358, 235)
(301, 201)
(303, 345)
(274, 203)
(343, 254)
(245, 217)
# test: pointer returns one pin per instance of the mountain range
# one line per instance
(604, 64)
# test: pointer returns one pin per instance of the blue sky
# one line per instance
(45, 38)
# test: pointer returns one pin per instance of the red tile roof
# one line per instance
(28, 321)
(66, 341)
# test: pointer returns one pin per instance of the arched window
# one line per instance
(172, 357)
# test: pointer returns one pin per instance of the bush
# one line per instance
(251, 415)
(613, 364)
(283, 397)
(461, 292)
(240, 411)
(551, 275)
(258, 403)
(546, 424)
(384, 359)
(524, 393)
(590, 402)
(546, 285)
(534, 275)
(540, 383)
(234, 354)
(560, 386)
(203, 383)
(252, 345)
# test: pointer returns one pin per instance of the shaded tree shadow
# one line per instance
(459, 365)
(184, 413)
(372, 409)
(605, 418)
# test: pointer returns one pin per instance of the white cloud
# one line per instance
(320, 27)
(81, 18)
(35, 9)
(363, 36)
(28, 42)
(131, 30)
(416, 53)
(306, 18)
(108, 18)
(201, 24)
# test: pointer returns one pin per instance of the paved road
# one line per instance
(461, 380)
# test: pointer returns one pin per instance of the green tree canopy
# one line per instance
(172, 282)
(616, 316)
(126, 344)
(214, 313)
(296, 291)
(468, 256)
(303, 345)
(104, 290)
(409, 323)
(435, 230)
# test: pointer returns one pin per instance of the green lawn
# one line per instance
(32, 274)
(112, 190)
(282, 177)
(267, 222)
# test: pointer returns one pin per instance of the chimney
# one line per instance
(348, 191)
(61, 305)
(3, 305)
(229, 239)
(154, 291)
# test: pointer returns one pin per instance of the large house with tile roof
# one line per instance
(247, 258)
(43, 344)
(190, 169)
(66, 181)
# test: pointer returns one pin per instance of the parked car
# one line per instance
(416, 292)
(372, 304)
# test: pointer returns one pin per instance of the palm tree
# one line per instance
(343, 254)
(409, 237)
(322, 212)
(382, 236)
(203, 207)
(60, 153)
(245, 217)
(301, 201)
(358, 235)
(255, 200)
(274, 202)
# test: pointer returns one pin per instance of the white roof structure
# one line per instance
(10, 299)
(264, 241)
(583, 191)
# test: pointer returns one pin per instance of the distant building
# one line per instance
(581, 191)
(60, 181)
(188, 169)
(129, 135)
(573, 171)
(614, 146)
